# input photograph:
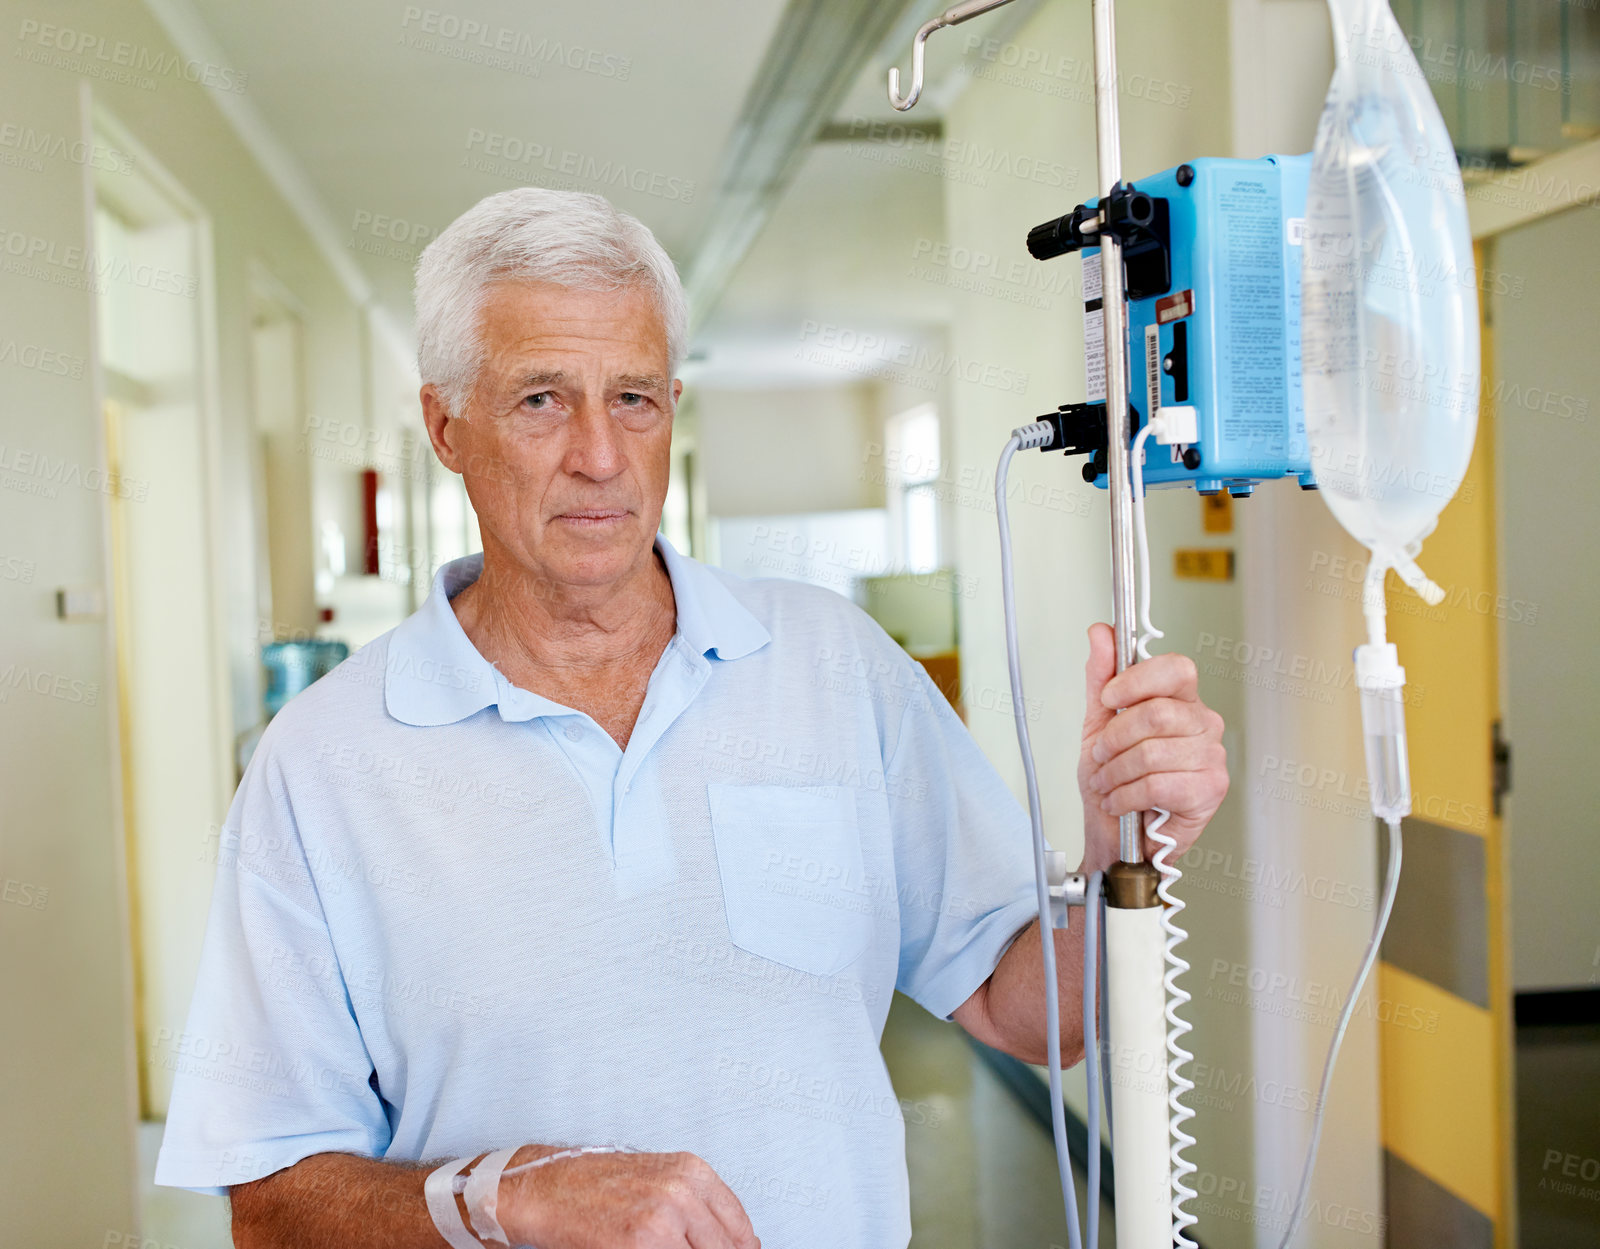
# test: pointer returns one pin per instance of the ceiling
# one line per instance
(383, 113)
(394, 118)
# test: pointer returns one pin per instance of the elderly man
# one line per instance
(605, 860)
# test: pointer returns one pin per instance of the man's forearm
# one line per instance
(1014, 998)
(337, 1201)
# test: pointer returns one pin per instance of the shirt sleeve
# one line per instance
(271, 1067)
(963, 856)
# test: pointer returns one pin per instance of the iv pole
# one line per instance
(1136, 996)
(1135, 960)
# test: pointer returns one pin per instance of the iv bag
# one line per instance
(1389, 352)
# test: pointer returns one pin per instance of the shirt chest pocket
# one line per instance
(792, 876)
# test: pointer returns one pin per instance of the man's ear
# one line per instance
(677, 390)
(441, 427)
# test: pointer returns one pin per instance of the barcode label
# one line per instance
(1152, 370)
(1094, 332)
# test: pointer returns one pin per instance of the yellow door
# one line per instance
(1445, 997)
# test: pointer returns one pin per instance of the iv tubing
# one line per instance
(1373, 608)
(1391, 884)
(1105, 1036)
(1092, 1057)
(1036, 435)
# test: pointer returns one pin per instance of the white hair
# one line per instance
(530, 234)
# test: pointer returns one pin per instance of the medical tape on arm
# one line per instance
(439, 1191)
(482, 1194)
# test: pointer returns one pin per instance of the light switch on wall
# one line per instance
(87, 602)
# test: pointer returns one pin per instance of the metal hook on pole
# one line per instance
(952, 16)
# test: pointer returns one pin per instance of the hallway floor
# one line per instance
(983, 1169)
(1558, 1135)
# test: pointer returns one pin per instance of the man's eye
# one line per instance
(631, 399)
(539, 400)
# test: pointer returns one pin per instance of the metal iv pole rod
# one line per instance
(1108, 140)
(1135, 957)
(1135, 940)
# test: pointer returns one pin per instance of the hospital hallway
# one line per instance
(259, 266)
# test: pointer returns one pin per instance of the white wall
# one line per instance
(69, 1084)
(1547, 378)
(1283, 59)
(774, 452)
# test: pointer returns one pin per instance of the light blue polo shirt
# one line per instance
(451, 915)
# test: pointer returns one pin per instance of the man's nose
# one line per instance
(594, 448)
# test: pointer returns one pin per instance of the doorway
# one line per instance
(172, 710)
(1546, 399)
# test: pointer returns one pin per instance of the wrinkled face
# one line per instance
(565, 445)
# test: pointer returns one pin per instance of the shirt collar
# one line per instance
(710, 619)
(434, 674)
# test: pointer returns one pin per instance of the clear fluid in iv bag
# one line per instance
(1390, 320)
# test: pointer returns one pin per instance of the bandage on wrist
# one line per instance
(481, 1192)
(440, 1193)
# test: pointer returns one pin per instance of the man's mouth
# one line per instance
(594, 516)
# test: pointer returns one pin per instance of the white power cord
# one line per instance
(1175, 425)
(1178, 1083)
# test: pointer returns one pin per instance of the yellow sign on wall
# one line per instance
(1216, 512)
(1203, 563)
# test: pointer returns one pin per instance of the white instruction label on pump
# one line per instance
(1094, 332)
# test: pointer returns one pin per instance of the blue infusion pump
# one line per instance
(1211, 250)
